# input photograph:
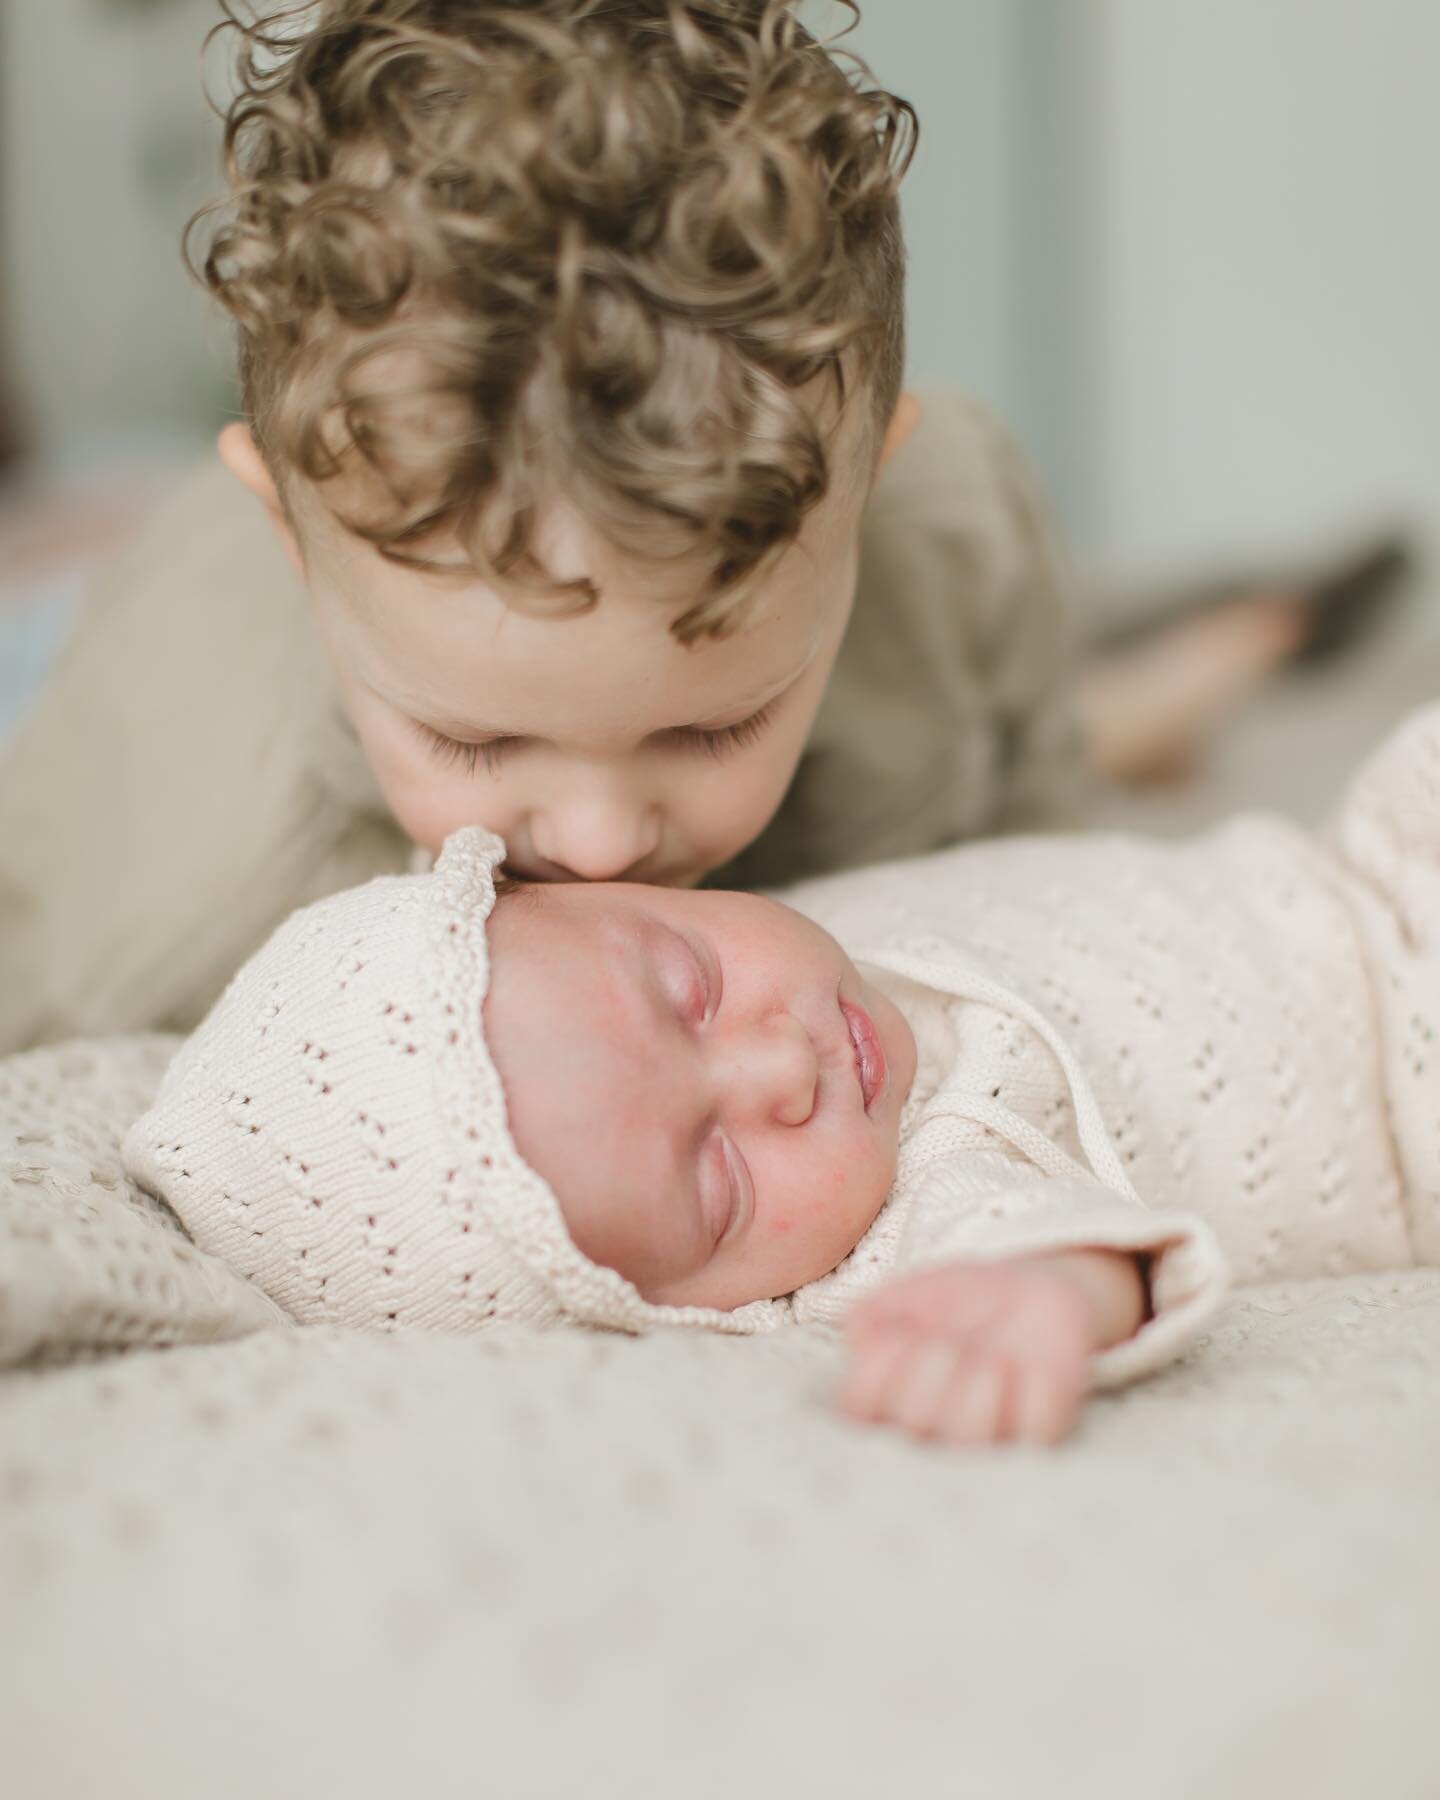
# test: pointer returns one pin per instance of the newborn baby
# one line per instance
(1012, 1146)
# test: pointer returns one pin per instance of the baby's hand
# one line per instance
(985, 1353)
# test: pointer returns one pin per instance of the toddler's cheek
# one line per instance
(418, 817)
(428, 806)
(427, 800)
(719, 816)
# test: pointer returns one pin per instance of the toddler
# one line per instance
(1064, 1090)
(572, 498)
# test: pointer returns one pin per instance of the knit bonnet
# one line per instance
(336, 1128)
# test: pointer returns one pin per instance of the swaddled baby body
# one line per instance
(1016, 1145)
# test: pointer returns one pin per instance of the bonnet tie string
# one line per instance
(983, 1109)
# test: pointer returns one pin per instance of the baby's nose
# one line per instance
(773, 1071)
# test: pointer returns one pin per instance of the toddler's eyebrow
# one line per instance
(454, 728)
(767, 696)
(740, 710)
(435, 718)
(735, 713)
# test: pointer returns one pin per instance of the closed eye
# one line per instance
(690, 980)
(723, 740)
(718, 741)
(725, 1189)
(455, 754)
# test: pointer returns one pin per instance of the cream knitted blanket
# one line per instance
(305, 1563)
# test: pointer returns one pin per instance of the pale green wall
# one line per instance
(994, 208)
(953, 62)
(105, 144)
(1267, 299)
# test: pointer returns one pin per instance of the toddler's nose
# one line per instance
(772, 1071)
(596, 843)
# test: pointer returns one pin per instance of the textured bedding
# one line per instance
(237, 1558)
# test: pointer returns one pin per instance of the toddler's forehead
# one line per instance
(569, 528)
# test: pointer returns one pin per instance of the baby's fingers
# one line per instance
(1046, 1402)
(922, 1389)
(928, 1387)
(874, 1369)
(976, 1405)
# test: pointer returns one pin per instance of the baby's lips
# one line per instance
(870, 1067)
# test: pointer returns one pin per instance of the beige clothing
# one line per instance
(978, 1179)
(1213, 1054)
(188, 780)
(1220, 1051)
(948, 716)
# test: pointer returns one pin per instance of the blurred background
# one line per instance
(1189, 252)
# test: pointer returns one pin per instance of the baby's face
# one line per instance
(704, 1079)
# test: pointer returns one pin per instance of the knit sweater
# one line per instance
(1213, 1052)
(1203, 1054)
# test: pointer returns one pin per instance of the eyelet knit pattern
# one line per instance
(87, 1262)
(1387, 839)
(1151, 1046)
(1256, 1010)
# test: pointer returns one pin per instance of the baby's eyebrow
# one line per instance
(632, 961)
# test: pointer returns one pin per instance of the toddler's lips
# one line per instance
(870, 1068)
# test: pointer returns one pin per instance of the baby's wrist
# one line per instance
(1115, 1286)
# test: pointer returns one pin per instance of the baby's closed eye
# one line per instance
(724, 1185)
(690, 978)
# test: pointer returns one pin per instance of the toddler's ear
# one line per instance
(241, 456)
(903, 421)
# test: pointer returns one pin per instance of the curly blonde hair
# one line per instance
(483, 252)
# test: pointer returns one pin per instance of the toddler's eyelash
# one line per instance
(720, 742)
(724, 739)
(469, 757)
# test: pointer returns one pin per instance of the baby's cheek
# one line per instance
(816, 1208)
(817, 1214)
